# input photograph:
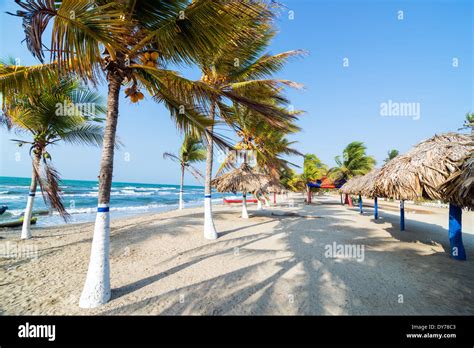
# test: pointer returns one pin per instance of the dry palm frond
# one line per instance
(459, 188)
(48, 179)
(419, 173)
(243, 179)
(367, 183)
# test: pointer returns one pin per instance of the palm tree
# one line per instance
(469, 123)
(313, 169)
(66, 112)
(191, 151)
(243, 80)
(354, 161)
(127, 42)
(391, 155)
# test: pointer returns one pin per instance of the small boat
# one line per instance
(16, 223)
(38, 212)
(3, 208)
(229, 201)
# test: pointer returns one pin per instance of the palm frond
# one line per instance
(48, 179)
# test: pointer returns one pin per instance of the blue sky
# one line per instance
(405, 61)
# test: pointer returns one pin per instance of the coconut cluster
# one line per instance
(134, 94)
(208, 79)
(149, 59)
(243, 146)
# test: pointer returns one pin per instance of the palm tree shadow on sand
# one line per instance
(305, 281)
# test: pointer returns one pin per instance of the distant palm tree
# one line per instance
(469, 122)
(192, 151)
(64, 112)
(391, 155)
(241, 74)
(354, 161)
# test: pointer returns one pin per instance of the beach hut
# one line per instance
(244, 180)
(420, 173)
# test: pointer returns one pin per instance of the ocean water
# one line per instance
(80, 199)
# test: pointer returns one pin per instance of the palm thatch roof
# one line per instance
(272, 186)
(242, 179)
(367, 183)
(420, 172)
(459, 188)
(352, 186)
(361, 184)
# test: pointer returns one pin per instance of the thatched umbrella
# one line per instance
(273, 186)
(242, 179)
(459, 188)
(422, 171)
(351, 187)
(363, 185)
(418, 173)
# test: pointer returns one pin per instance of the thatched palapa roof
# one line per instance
(361, 184)
(273, 186)
(459, 188)
(420, 172)
(352, 187)
(243, 179)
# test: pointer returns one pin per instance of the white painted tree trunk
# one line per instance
(209, 228)
(245, 214)
(26, 227)
(259, 204)
(97, 287)
(181, 203)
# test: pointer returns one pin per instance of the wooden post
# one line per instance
(457, 250)
(402, 215)
(376, 208)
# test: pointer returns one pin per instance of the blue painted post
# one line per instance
(402, 215)
(376, 208)
(360, 203)
(455, 233)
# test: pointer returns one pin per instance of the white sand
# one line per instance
(161, 264)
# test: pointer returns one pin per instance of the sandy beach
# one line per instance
(274, 263)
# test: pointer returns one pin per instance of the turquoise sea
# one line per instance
(80, 199)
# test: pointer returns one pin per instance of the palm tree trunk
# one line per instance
(97, 286)
(209, 228)
(181, 203)
(26, 228)
(245, 214)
